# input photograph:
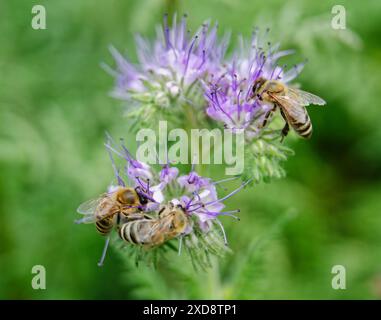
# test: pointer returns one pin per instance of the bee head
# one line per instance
(127, 196)
(257, 87)
(141, 194)
(142, 199)
(179, 220)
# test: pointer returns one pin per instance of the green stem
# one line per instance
(191, 123)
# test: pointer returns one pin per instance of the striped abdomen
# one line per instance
(141, 232)
(302, 128)
(105, 225)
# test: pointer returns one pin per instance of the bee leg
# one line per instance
(267, 116)
(118, 219)
(285, 131)
(180, 245)
(286, 127)
(100, 263)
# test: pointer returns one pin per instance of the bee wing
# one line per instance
(160, 226)
(89, 207)
(292, 108)
(86, 219)
(303, 98)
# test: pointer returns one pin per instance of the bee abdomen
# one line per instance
(104, 226)
(131, 231)
(304, 129)
(124, 232)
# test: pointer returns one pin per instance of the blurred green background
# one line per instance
(55, 109)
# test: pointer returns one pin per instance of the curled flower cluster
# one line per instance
(196, 195)
(170, 68)
(187, 79)
(228, 95)
(176, 63)
(180, 71)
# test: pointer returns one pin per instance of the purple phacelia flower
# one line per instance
(168, 174)
(205, 205)
(196, 194)
(138, 170)
(139, 174)
(192, 182)
(170, 66)
(229, 94)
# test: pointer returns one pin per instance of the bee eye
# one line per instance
(174, 224)
(255, 88)
(127, 197)
(272, 87)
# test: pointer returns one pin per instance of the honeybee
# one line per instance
(172, 221)
(110, 208)
(291, 103)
